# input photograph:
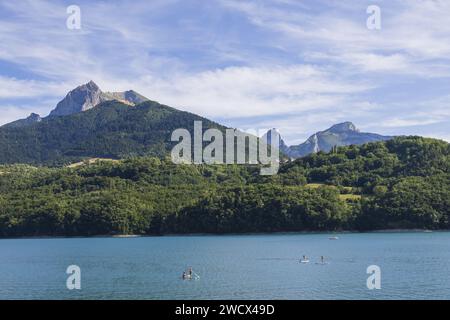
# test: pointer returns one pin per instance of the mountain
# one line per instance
(91, 123)
(89, 95)
(342, 134)
(32, 118)
(83, 98)
(110, 130)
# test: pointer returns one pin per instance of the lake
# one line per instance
(414, 265)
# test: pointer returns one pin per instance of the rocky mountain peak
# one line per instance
(89, 95)
(343, 127)
(34, 117)
(91, 85)
(81, 98)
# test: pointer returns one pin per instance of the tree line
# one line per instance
(400, 183)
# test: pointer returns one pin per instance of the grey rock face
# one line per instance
(343, 127)
(89, 95)
(79, 99)
(129, 97)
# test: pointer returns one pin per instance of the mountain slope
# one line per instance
(110, 130)
(342, 134)
(32, 118)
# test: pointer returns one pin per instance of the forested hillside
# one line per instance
(110, 130)
(401, 183)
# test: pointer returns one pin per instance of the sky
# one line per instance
(299, 66)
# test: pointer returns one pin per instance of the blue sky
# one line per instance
(299, 66)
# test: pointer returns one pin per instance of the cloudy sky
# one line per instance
(299, 66)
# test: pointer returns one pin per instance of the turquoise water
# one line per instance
(413, 266)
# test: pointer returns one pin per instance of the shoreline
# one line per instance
(330, 233)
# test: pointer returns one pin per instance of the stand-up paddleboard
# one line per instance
(304, 261)
(193, 277)
(190, 275)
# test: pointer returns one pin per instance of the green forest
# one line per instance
(400, 183)
(110, 130)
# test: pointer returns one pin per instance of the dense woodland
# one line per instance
(110, 130)
(400, 183)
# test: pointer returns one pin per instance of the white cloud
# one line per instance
(303, 66)
(414, 34)
(16, 88)
(398, 122)
(252, 91)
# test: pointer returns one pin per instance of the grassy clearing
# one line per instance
(89, 161)
(315, 185)
(349, 196)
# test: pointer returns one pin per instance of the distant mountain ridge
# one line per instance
(341, 134)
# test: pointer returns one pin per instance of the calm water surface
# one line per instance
(413, 265)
